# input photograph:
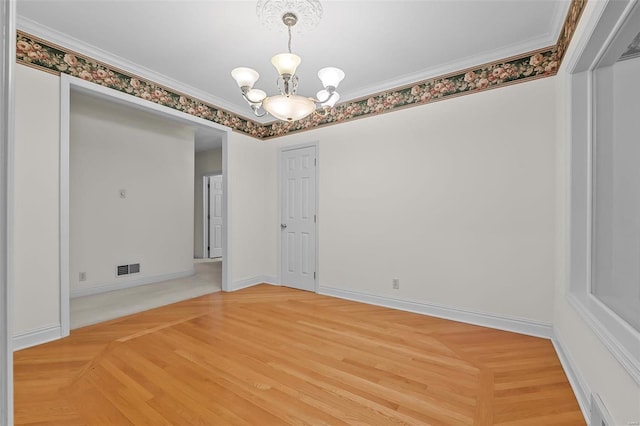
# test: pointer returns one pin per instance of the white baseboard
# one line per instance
(516, 325)
(578, 384)
(103, 288)
(250, 282)
(36, 337)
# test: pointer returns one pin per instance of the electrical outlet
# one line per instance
(83, 276)
(396, 283)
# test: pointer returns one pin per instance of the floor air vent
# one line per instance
(134, 268)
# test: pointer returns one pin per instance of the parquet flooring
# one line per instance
(270, 355)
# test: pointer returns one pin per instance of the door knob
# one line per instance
(283, 225)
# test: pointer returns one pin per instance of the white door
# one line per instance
(215, 216)
(298, 221)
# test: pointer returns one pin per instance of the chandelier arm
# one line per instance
(255, 106)
(244, 95)
(330, 91)
(257, 114)
(325, 112)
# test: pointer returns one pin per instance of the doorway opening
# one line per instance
(163, 284)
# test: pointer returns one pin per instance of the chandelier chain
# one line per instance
(289, 29)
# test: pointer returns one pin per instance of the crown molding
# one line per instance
(519, 69)
(512, 50)
(453, 67)
(41, 31)
(446, 69)
(560, 17)
(42, 48)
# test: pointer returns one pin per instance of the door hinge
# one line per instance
(315, 161)
(314, 219)
(208, 186)
(314, 275)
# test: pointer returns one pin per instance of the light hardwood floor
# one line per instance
(269, 355)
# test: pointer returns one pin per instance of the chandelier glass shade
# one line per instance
(288, 105)
(289, 108)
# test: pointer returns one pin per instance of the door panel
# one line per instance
(298, 225)
(305, 249)
(304, 198)
(215, 216)
(291, 199)
(291, 252)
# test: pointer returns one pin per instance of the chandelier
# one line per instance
(288, 105)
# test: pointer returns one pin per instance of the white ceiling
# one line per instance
(379, 44)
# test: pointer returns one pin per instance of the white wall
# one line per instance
(456, 199)
(206, 163)
(114, 148)
(36, 250)
(592, 362)
(252, 177)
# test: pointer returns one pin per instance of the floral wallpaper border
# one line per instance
(531, 66)
(40, 54)
(569, 27)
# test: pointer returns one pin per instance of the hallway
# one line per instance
(97, 308)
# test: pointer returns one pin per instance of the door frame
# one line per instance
(7, 126)
(69, 83)
(205, 207)
(316, 144)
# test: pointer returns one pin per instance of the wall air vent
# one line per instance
(122, 270)
(133, 268)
